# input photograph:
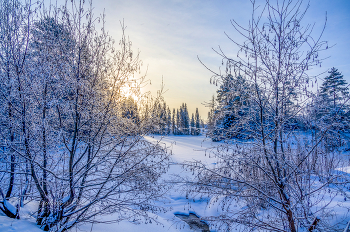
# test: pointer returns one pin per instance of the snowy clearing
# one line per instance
(184, 148)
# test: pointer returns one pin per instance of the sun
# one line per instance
(128, 91)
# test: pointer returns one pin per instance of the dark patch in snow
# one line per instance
(194, 221)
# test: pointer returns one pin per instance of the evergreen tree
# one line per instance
(130, 110)
(178, 122)
(182, 119)
(328, 108)
(334, 88)
(163, 119)
(186, 119)
(174, 123)
(197, 122)
(169, 124)
(193, 130)
(155, 117)
(232, 104)
(211, 121)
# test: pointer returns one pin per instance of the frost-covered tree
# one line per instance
(330, 106)
(232, 105)
(193, 129)
(16, 21)
(162, 123)
(173, 123)
(277, 180)
(197, 123)
(169, 121)
(178, 122)
(78, 142)
(211, 120)
(334, 89)
(184, 119)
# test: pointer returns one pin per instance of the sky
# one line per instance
(172, 34)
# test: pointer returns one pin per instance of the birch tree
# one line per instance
(16, 19)
(277, 180)
(84, 156)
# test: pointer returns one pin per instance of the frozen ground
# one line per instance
(184, 148)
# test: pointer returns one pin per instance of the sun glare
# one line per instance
(128, 91)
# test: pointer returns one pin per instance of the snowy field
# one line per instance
(184, 148)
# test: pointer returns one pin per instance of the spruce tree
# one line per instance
(193, 130)
(163, 119)
(130, 110)
(211, 120)
(169, 127)
(334, 88)
(183, 119)
(174, 123)
(186, 118)
(178, 122)
(329, 108)
(197, 122)
(232, 103)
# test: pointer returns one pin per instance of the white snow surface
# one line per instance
(184, 148)
(25, 224)
(10, 207)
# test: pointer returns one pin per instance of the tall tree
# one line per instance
(192, 129)
(185, 119)
(232, 105)
(329, 107)
(169, 122)
(16, 21)
(174, 122)
(178, 122)
(73, 125)
(334, 88)
(197, 123)
(268, 176)
(211, 120)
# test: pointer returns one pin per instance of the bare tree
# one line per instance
(82, 156)
(16, 19)
(278, 179)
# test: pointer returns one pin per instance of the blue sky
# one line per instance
(170, 34)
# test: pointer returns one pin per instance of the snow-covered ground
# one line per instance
(25, 224)
(184, 148)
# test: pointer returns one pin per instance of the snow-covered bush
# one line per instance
(71, 139)
(282, 178)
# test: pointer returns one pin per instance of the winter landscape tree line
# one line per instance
(178, 122)
(72, 141)
(329, 101)
(165, 122)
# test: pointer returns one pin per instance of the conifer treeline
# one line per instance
(163, 121)
(176, 122)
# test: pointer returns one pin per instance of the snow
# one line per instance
(10, 207)
(9, 225)
(65, 199)
(25, 224)
(344, 169)
(184, 148)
